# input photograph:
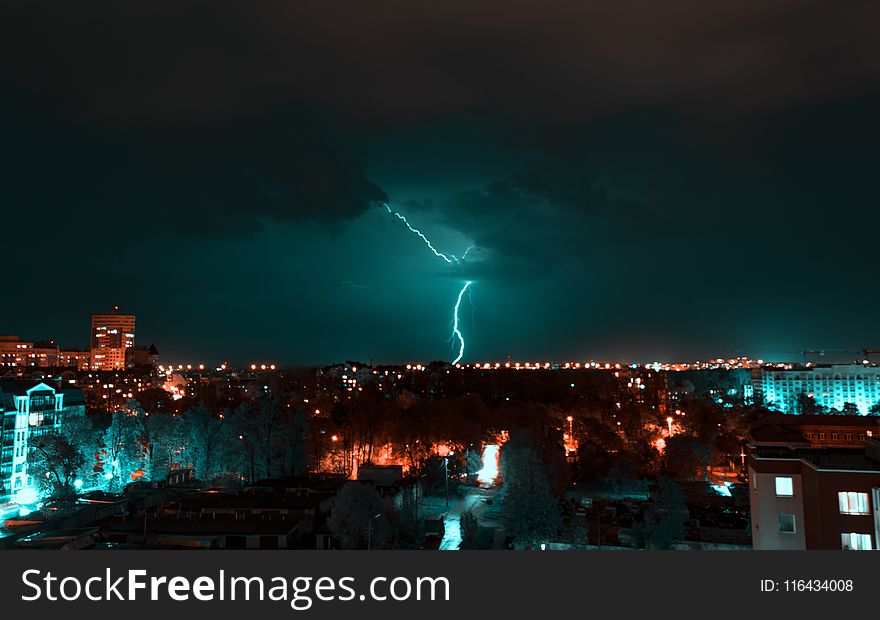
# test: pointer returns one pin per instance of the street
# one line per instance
(473, 501)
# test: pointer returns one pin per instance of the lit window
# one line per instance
(786, 524)
(852, 503)
(856, 542)
(784, 486)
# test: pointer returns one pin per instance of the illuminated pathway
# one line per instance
(473, 501)
(489, 472)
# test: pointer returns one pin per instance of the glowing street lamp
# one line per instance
(370, 530)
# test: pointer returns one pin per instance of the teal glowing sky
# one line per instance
(662, 193)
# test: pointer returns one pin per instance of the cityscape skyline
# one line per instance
(812, 355)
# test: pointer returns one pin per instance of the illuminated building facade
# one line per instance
(112, 334)
(815, 485)
(29, 409)
(18, 353)
(829, 387)
(74, 358)
(15, 352)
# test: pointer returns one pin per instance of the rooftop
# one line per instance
(824, 458)
(782, 428)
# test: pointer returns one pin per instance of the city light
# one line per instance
(489, 472)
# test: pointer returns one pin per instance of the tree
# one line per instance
(849, 409)
(295, 433)
(57, 458)
(686, 458)
(470, 527)
(807, 405)
(530, 510)
(357, 519)
(665, 517)
(207, 439)
(405, 518)
(124, 447)
(164, 443)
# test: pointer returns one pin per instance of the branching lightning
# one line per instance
(451, 259)
(424, 238)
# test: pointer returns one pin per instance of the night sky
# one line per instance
(642, 181)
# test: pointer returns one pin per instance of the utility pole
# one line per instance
(446, 474)
(370, 530)
(446, 477)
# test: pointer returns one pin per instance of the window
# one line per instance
(822, 436)
(849, 436)
(833, 436)
(855, 542)
(784, 486)
(853, 503)
(786, 524)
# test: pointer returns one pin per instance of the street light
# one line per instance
(370, 530)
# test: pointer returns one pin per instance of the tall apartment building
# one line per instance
(830, 387)
(112, 334)
(29, 409)
(814, 482)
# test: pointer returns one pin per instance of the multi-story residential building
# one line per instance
(14, 352)
(18, 353)
(74, 358)
(112, 334)
(829, 387)
(29, 409)
(28, 354)
(814, 482)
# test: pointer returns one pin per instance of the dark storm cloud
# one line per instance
(226, 179)
(695, 172)
(392, 62)
(526, 225)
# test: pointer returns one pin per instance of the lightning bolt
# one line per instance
(455, 331)
(451, 259)
(437, 253)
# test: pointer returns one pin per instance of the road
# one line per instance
(473, 500)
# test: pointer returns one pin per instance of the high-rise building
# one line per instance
(798, 389)
(112, 334)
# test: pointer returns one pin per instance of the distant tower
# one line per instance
(112, 333)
